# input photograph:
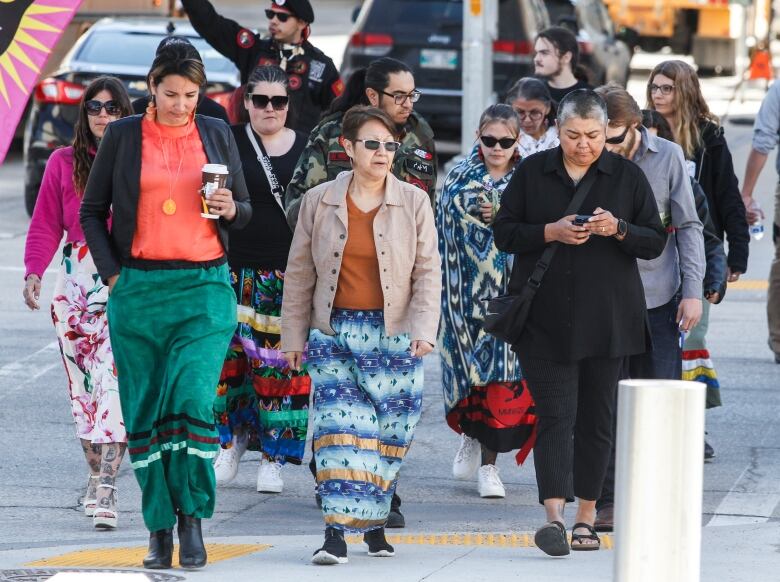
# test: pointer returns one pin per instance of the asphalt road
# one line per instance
(42, 472)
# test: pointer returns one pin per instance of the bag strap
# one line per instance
(265, 163)
(535, 280)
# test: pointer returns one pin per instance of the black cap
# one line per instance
(300, 8)
(181, 41)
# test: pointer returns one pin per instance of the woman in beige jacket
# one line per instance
(363, 287)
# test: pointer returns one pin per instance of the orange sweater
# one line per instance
(359, 286)
(184, 235)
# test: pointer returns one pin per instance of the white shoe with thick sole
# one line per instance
(269, 477)
(108, 517)
(226, 465)
(467, 459)
(489, 483)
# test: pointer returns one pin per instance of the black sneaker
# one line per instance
(395, 518)
(377, 544)
(709, 452)
(333, 551)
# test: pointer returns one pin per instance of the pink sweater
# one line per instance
(56, 211)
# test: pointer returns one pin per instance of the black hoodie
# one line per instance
(715, 173)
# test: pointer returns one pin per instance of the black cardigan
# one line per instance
(114, 186)
(591, 302)
(715, 173)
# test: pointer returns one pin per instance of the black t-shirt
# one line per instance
(265, 242)
(558, 94)
(206, 106)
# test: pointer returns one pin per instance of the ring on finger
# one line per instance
(603, 229)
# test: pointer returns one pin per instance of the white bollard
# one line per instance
(658, 481)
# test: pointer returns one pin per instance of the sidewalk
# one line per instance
(730, 554)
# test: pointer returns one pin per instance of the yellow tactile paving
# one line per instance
(515, 540)
(750, 285)
(132, 557)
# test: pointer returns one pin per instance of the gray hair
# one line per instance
(582, 103)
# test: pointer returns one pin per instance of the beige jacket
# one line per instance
(406, 246)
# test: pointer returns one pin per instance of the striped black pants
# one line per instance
(574, 406)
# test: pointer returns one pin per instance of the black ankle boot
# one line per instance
(192, 552)
(160, 553)
(377, 544)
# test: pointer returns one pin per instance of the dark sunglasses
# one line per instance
(618, 138)
(373, 144)
(94, 106)
(282, 16)
(278, 102)
(490, 142)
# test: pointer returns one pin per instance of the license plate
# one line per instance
(438, 59)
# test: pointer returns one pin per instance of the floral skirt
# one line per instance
(257, 392)
(78, 311)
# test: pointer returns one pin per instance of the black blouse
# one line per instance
(591, 301)
(265, 242)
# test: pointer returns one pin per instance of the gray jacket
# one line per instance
(682, 261)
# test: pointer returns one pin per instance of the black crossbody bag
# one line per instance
(506, 315)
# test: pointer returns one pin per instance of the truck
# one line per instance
(702, 29)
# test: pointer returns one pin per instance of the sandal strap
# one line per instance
(107, 487)
(560, 526)
(591, 536)
(111, 513)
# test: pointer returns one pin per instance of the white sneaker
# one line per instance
(269, 477)
(489, 482)
(467, 459)
(226, 465)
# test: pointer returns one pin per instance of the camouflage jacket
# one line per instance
(324, 158)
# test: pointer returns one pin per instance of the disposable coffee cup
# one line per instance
(214, 177)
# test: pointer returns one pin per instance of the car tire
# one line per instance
(30, 196)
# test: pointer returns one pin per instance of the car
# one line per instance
(606, 55)
(428, 34)
(124, 48)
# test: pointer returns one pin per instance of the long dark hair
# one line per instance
(84, 141)
(376, 76)
(564, 42)
(533, 89)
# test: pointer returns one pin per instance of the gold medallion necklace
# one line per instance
(169, 206)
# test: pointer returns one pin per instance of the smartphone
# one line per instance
(581, 219)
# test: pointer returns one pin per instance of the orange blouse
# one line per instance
(359, 286)
(184, 235)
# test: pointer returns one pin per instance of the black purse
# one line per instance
(505, 315)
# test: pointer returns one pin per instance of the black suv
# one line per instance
(427, 35)
(606, 55)
(121, 47)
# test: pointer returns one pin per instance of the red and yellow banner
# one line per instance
(29, 29)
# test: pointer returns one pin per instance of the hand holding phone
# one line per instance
(581, 219)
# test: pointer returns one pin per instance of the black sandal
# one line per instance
(581, 547)
(551, 539)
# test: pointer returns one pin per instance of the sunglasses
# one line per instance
(618, 138)
(373, 144)
(664, 89)
(490, 142)
(278, 102)
(282, 16)
(94, 106)
(400, 98)
(533, 115)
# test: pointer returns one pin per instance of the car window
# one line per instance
(415, 15)
(137, 49)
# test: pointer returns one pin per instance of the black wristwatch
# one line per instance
(622, 228)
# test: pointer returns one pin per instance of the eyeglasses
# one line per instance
(94, 106)
(400, 98)
(282, 16)
(490, 142)
(618, 138)
(533, 115)
(373, 144)
(664, 89)
(278, 102)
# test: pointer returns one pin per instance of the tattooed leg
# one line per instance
(93, 454)
(112, 454)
